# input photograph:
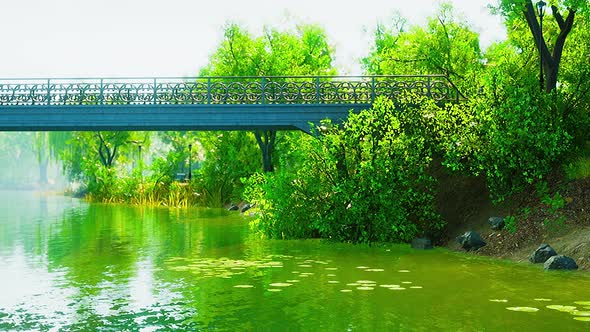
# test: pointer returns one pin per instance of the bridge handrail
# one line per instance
(221, 90)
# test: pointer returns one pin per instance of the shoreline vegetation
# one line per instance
(407, 168)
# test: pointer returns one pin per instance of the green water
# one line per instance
(68, 266)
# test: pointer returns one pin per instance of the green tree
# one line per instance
(231, 156)
(91, 157)
(549, 49)
(446, 45)
(304, 51)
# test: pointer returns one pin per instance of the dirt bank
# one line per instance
(563, 221)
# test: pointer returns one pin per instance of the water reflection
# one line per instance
(68, 265)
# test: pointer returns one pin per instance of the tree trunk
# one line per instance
(550, 61)
(266, 142)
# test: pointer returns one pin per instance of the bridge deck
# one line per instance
(209, 103)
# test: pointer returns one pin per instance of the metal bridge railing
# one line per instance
(222, 90)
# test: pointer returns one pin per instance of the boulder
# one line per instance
(421, 243)
(542, 254)
(471, 241)
(560, 262)
(496, 223)
(233, 208)
(246, 207)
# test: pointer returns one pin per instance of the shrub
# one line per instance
(365, 181)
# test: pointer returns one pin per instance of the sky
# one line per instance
(145, 38)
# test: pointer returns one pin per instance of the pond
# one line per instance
(69, 265)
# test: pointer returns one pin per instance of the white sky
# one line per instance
(92, 38)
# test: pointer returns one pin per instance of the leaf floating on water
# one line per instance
(406, 282)
(331, 268)
(416, 287)
(365, 282)
(293, 280)
(333, 281)
(346, 290)
(562, 308)
(523, 309)
(331, 275)
(389, 286)
(374, 270)
(362, 267)
(581, 313)
(499, 300)
(296, 272)
(365, 288)
(274, 290)
(280, 284)
(543, 300)
(304, 265)
(403, 271)
(243, 286)
(582, 319)
(396, 288)
(583, 303)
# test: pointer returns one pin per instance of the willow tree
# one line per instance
(549, 42)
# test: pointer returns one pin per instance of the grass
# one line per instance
(580, 167)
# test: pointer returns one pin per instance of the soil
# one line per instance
(563, 222)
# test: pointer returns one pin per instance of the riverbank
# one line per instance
(558, 216)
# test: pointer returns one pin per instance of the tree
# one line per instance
(446, 45)
(304, 51)
(551, 54)
(88, 151)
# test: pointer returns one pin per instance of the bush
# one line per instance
(365, 181)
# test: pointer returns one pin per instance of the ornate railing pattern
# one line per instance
(222, 90)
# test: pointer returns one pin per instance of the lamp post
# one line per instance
(541, 12)
(190, 171)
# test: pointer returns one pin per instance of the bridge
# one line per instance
(201, 103)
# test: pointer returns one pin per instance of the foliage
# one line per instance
(523, 138)
(446, 45)
(511, 224)
(523, 13)
(86, 149)
(366, 181)
(230, 156)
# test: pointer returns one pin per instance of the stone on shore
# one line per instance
(560, 262)
(496, 223)
(471, 241)
(542, 254)
(246, 207)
